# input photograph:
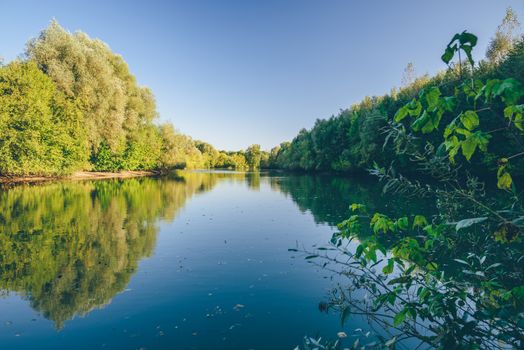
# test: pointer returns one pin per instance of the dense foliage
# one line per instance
(41, 129)
(454, 280)
(353, 140)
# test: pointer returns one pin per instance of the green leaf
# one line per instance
(413, 109)
(466, 42)
(469, 119)
(356, 206)
(359, 251)
(468, 38)
(402, 279)
(468, 147)
(401, 114)
(504, 181)
(468, 222)
(421, 122)
(515, 114)
(402, 223)
(467, 49)
(389, 267)
(419, 221)
(518, 293)
(380, 222)
(448, 54)
(510, 90)
(470, 144)
(448, 103)
(431, 95)
(399, 318)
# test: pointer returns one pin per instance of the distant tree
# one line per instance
(505, 37)
(264, 160)
(209, 153)
(238, 160)
(409, 75)
(253, 155)
(177, 150)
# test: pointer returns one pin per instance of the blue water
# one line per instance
(197, 261)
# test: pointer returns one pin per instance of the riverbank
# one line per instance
(79, 175)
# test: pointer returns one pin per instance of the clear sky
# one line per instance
(234, 73)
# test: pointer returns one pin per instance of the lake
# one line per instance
(197, 260)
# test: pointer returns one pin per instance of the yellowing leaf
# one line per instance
(504, 181)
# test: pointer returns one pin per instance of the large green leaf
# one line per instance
(464, 41)
(470, 119)
(515, 115)
(468, 147)
(468, 38)
(431, 96)
(510, 90)
(399, 318)
(422, 121)
(448, 54)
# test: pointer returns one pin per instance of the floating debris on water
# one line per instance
(238, 307)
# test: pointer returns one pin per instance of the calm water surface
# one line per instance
(195, 261)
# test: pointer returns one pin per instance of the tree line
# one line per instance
(72, 104)
(451, 278)
(354, 140)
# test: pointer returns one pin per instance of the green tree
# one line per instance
(505, 37)
(178, 150)
(41, 128)
(115, 107)
(253, 155)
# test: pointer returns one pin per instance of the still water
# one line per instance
(199, 260)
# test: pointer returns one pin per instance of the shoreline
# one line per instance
(79, 175)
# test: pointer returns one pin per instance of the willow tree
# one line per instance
(115, 107)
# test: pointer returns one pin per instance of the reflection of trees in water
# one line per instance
(328, 197)
(70, 247)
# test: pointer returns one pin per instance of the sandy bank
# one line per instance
(80, 175)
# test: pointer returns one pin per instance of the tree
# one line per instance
(41, 128)
(209, 153)
(505, 37)
(409, 75)
(178, 150)
(86, 70)
(253, 156)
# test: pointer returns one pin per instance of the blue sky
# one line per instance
(234, 73)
